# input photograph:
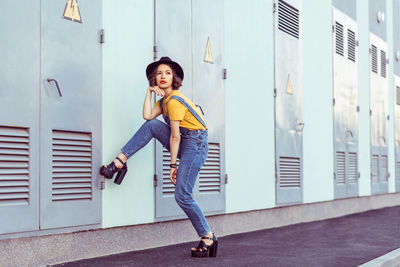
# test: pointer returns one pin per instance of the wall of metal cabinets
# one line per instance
(50, 128)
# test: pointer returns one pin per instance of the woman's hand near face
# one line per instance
(156, 90)
(148, 112)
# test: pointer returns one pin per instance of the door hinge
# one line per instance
(334, 101)
(388, 117)
(333, 28)
(370, 51)
(226, 178)
(387, 61)
(154, 52)
(276, 177)
(224, 73)
(372, 176)
(273, 7)
(102, 182)
(102, 36)
(155, 180)
(334, 175)
(358, 108)
(357, 43)
(358, 175)
(275, 92)
(370, 112)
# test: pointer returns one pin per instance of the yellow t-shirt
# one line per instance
(178, 112)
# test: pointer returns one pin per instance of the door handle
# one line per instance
(300, 126)
(349, 133)
(58, 87)
(200, 109)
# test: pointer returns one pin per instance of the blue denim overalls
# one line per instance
(193, 150)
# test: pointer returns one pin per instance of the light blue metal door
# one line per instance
(19, 120)
(288, 102)
(397, 131)
(70, 134)
(379, 97)
(396, 67)
(379, 116)
(185, 30)
(173, 38)
(208, 93)
(345, 105)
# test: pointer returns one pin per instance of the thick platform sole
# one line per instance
(211, 252)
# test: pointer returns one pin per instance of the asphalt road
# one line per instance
(345, 241)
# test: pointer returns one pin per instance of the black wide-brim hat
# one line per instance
(165, 60)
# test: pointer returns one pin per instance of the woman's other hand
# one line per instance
(172, 175)
(156, 90)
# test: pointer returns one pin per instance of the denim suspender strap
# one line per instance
(180, 99)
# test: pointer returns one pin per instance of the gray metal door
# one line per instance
(397, 130)
(288, 102)
(19, 120)
(379, 115)
(173, 38)
(396, 70)
(208, 93)
(345, 105)
(70, 134)
(184, 31)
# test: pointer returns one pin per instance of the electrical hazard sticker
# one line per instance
(71, 11)
(208, 56)
(289, 89)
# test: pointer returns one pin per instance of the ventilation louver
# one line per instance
(340, 167)
(72, 166)
(351, 45)
(210, 173)
(374, 54)
(290, 172)
(339, 39)
(288, 19)
(383, 64)
(398, 171)
(353, 168)
(168, 188)
(384, 168)
(375, 167)
(14, 166)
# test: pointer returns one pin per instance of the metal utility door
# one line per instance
(208, 63)
(70, 139)
(19, 120)
(190, 32)
(379, 115)
(345, 105)
(397, 130)
(396, 70)
(288, 102)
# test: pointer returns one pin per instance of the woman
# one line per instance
(184, 135)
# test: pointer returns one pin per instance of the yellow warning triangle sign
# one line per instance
(208, 55)
(71, 11)
(289, 89)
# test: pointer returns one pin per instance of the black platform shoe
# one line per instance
(206, 251)
(109, 171)
(121, 174)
